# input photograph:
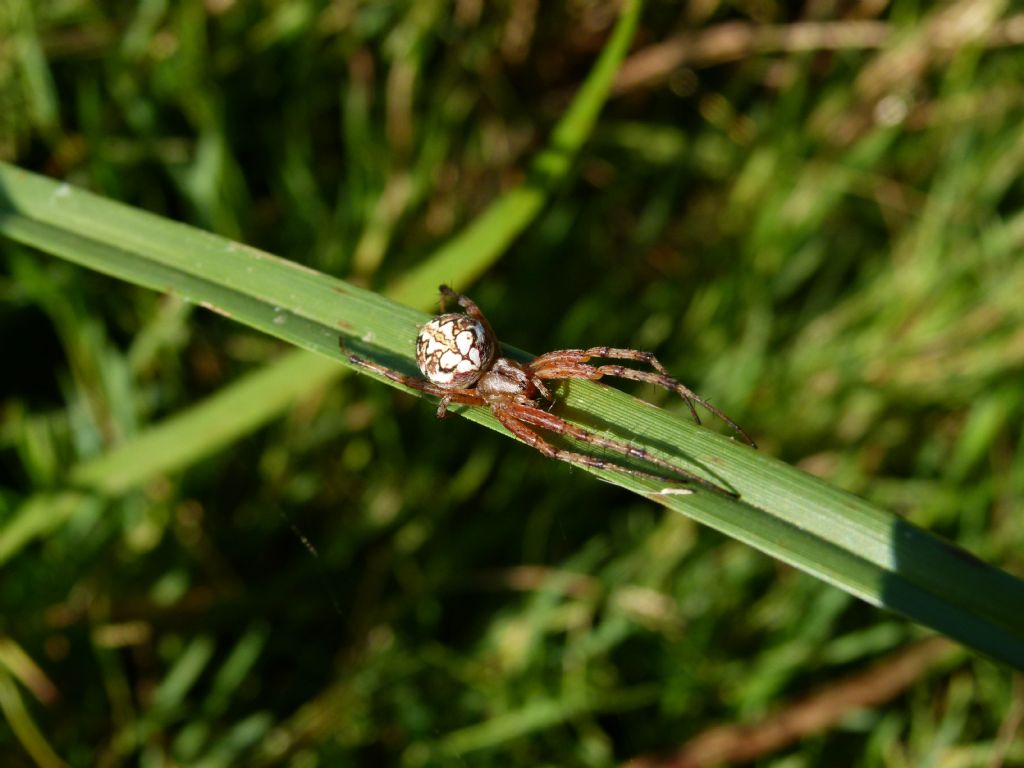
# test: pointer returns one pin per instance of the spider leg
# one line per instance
(464, 397)
(667, 382)
(544, 391)
(447, 294)
(448, 396)
(571, 364)
(517, 416)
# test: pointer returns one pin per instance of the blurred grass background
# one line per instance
(813, 215)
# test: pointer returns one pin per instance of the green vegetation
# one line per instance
(218, 550)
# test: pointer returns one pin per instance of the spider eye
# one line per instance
(453, 350)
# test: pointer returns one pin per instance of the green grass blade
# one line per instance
(23, 726)
(466, 255)
(832, 534)
(782, 511)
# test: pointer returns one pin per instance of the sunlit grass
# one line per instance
(823, 243)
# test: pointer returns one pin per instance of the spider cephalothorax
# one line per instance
(460, 356)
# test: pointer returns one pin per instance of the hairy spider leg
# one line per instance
(667, 382)
(461, 396)
(447, 294)
(594, 373)
(513, 416)
(573, 357)
(570, 364)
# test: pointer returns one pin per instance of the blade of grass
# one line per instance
(499, 225)
(23, 726)
(781, 511)
(538, 715)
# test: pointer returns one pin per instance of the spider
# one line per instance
(460, 356)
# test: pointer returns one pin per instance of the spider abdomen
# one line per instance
(452, 350)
